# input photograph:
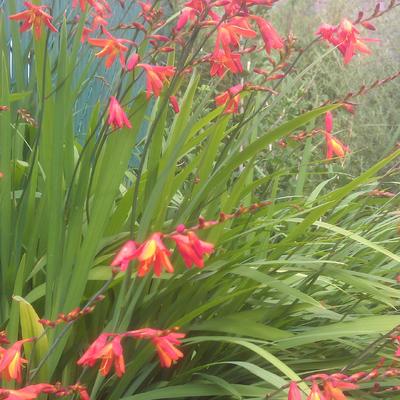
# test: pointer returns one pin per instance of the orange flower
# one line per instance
(11, 361)
(125, 255)
(153, 252)
(230, 98)
(108, 352)
(345, 37)
(186, 15)
(165, 343)
(315, 393)
(332, 392)
(156, 76)
(222, 61)
(112, 48)
(294, 391)
(132, 61)
(34, 17)
(116, 115)
(270, 36)
(229, 33)
(174, 103)
(30, 392)
(334, 145)
(192, 249)
(82, 4)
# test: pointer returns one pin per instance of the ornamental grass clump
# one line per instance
(145, 250)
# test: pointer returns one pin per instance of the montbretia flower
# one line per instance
(346, 38)
(125, 255)
(222, 62)
(109, 352)
(99, 21)
(156, 77)
(99, 5)
(191, 10)
(334, 145)
(34, 17)
(229, 33)
(71, 390)
(112, 48)
(233, 7)
(192, 249)
(116, 115)
(30, 392)
(82, 4)
(270, 36)
(85, 33)
(315, 393)
(153, 252)
(334, 385)
(11, 361)
(174, 103)
(132, 61)
(294, 391)
(332, 392)
(186, 15)
(165, 343)
(230, 99)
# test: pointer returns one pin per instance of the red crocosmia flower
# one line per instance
(190, 12)
(368, 25)
(174, 103)
(81, 391)
(116, 115)
(233, 7)
(346, 38)
(350, 42)
(229, 33)
(187, 14)
(132, 62)
(34, 17)
(350, 108)
(165, 346)
(328, 122)
(125, 255)
(334, 145)
(98, 21)
(109, 352)
(294, 391)
(153, 252)
(157, 76)
(333, 393)
(82, 4)
(230, 98)
(165, 343)
(112, 48)
(327, 32)
(30, 392)
(192, 249)
(315, 393)
(270, 36)
(85, 33)
(333, 389)
(222, 61)
(11, 361)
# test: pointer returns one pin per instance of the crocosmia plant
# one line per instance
(175, 222)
